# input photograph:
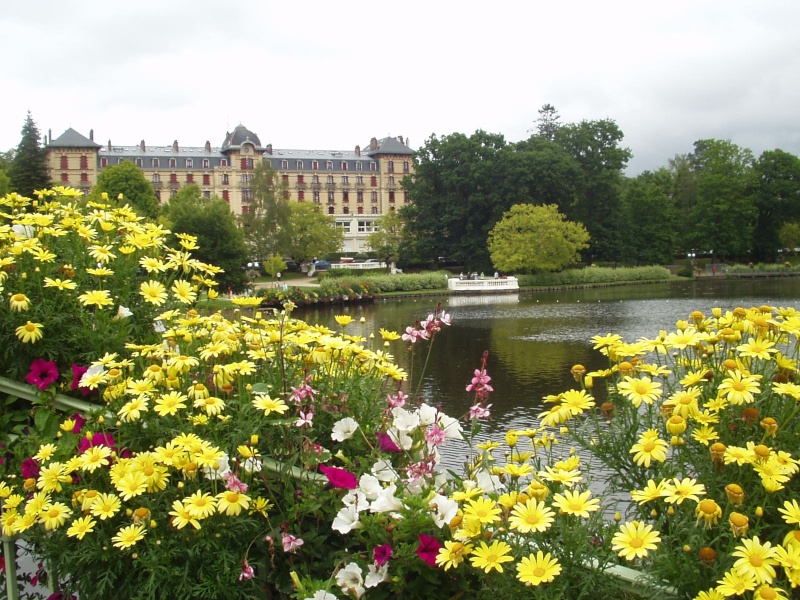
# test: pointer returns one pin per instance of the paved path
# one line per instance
(302, 281)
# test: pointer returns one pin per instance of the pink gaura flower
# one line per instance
(428, 549)
(339, 478)
(435, 435)
(233, 483)
(396, 400)
(299, 394)
(306, 419)
(291, 543)
(479, 411)
(42, 374)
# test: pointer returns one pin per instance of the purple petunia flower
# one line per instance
(428, 549)
(339, 478)
(42, 373)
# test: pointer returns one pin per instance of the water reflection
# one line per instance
(533, 339)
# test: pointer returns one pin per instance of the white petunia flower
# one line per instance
(427, 415)
(370, 486)
(386, 501)
(347, 519)
(444, 509)
(350, 580)
(404, 420)
(344, 429)
(383, 470)
(376, 576)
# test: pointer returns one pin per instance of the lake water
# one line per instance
(534, 338)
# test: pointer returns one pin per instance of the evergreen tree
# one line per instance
(29, 167)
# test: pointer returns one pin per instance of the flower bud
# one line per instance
(735, 494)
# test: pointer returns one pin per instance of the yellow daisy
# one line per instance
(491, 557)
(538, 568)
(81, 526)
(634, 539)
(128, 536)
(531, 516)
(576, 503)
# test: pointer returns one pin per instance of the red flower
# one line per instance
(428, 549)
(386, 444)
(77, 373)
(98, 439)
(339, 478)
(80, 421)
(29, 468)
(42, 374)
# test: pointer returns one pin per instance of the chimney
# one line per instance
(373, 144)
(208, 146)
(358, 150)
(49, 136)
(143, 146)
(269, 149)
(109, 145)
(400, 138)
(175, 146)
(91, 134)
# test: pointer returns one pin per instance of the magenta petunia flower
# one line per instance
(77, 373)
(80, 421)
(386, 444)
(98, 439)
(42, 374)
(29, 469)
(339, 478)
(428, 549)
(381, 554)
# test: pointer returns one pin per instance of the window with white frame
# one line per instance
(189, 163)
(329, 166)
(206, 163)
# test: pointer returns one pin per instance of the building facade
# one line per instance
(354, 187)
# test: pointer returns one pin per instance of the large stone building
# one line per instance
(355, 187)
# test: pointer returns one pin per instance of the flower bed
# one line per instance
(262, 456)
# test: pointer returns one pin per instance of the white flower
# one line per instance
(370, 486)
(346, 520)
(427, 415)
(356, 498)
(350, 580)
(451, 426)
(23, 231)
(488, 483)
(444, 509)
(220, 470)
(89, 374)
(386, 501)
(322, 595)
(383, 470)
(376, 576)
(404, 420)
(401, 438)
(344, 429)
(123, 313)
(253, 465)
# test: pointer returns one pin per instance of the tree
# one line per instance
(28, 170)
(535, 238)
(308, 233)
(547, 124)
(777, 198)
(387, 240)
(725, 214)
(127, 179)
(220, 240)
(595, 146)
(649, 217)
(268, 213)
(274, 265)
(5, 183)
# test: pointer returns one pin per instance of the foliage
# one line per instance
(5, 182)
(388, 239)
(533, 238)
(126, 180)
(595, 275)
(267, 213)
(595, 147)
(220, 240)
(651, 214)
(28, 167)
(309, 233)
(776, 176)
(548, 122)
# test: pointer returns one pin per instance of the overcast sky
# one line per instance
(330, 75)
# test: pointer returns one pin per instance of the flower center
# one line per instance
(538, 572)
(756, 561)
(636, 543)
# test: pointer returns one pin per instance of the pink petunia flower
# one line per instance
(428, 549)
(339, 478)
(381, 554)
(98, 439)
(386, 444)
(42, 373)
(29, 469)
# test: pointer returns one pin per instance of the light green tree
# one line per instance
(127, 179)
(309, 233)
(533, 238)
(789, 236)
(274, 265)
(386, 241)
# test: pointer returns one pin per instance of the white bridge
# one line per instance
(483, 286)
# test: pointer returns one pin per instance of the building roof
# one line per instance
(72, 139)
(240, 135)
(390, 145)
